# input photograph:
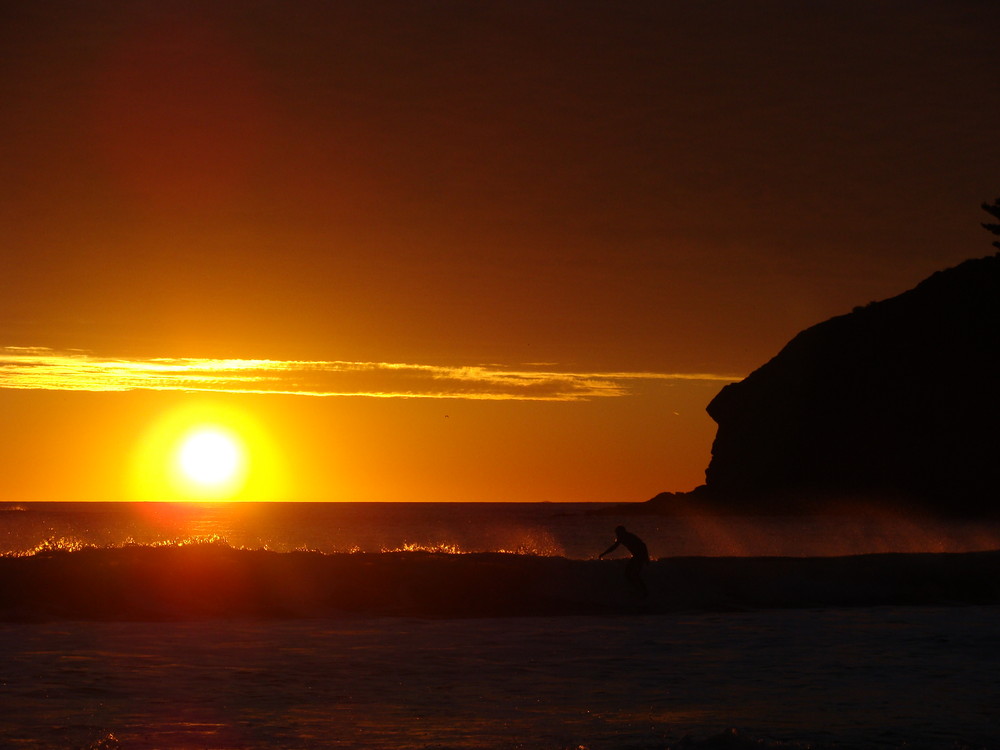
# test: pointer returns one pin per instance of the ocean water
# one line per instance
(913, 678)
(570, 530)
(491, 626)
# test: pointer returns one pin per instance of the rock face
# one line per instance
(898, 399)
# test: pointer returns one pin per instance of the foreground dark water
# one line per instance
(879, 678)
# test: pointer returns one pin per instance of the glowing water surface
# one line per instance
(569, 530)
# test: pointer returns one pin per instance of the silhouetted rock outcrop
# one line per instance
(898, 399)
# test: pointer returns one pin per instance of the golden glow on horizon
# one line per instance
(542, 437)
(207, 452)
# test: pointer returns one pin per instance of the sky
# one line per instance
(456, 251)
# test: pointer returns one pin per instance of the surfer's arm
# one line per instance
(609, 550)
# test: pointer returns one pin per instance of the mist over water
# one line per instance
(567, 530)
(164, 561)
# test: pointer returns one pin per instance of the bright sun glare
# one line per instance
(207, 452)
(209, 457)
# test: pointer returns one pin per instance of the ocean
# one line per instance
(577, 531)
(492, 626)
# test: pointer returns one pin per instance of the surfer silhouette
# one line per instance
(640, 556)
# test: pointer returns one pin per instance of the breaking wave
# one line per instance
(206, 579)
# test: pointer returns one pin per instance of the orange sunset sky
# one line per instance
(455, 250)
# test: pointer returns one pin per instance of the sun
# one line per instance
(206, 451)
(210, 462)
(210, 457)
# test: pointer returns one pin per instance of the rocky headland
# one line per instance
(897, 402)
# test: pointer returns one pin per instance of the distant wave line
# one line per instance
(33, 368)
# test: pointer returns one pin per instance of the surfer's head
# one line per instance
(619, 530)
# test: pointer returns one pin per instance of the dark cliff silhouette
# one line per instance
(993, 209)
(896, 400)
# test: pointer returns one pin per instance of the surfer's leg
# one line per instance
(633, 572)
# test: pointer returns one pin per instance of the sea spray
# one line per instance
(213, 579)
